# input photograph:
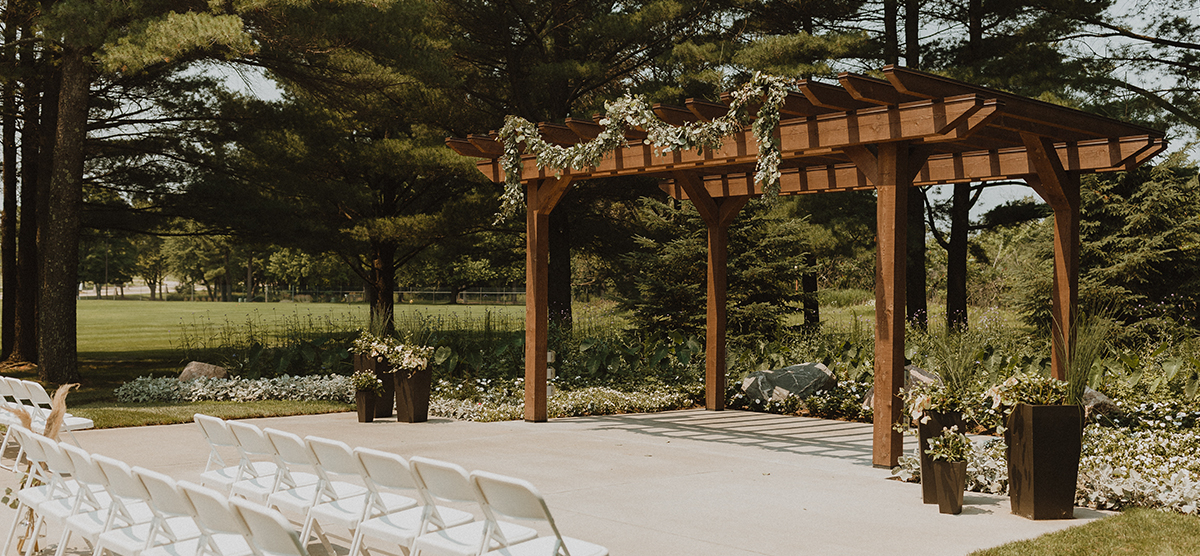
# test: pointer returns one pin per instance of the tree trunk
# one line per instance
(912, 36)
(916, 298)
(956, 258)
(559, 271)
(808, 283)
(37, 155)
(8, 218)
(60, 237)
(379, 288)
(891, 46)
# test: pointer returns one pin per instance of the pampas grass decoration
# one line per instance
(58, 408)
(23, 415)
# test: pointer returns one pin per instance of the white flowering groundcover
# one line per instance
(1120, 468)
(503, 403)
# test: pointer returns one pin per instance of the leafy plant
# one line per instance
(367, 381)
(951, 445)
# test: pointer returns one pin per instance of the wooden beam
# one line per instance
(586, 129)
(1052, 119)
(1014, 162)
(674, 115)
(705, 110)
(892, 226)
(830, 96)
(558, 134)
(1060, 189)
(465, 147)
(875, 91)
(487, 144)
(550, 192)
(537, 258)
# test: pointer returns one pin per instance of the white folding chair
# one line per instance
(130, 498)
(40, 488)
(221, 532)
(8, 399)
(515, 498)
(42, 401)
(217, 433)
(174, 517)
(92, 502)
(384, 472)
(297, 501)
(450, 483)
(126, 505)
(270, 532)
(255, 446)
(336, 461)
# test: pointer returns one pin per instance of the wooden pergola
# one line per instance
(912, 129)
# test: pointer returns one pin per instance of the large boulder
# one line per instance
(912, 375)
(196, 369)
(776, 385)
(1096, 403)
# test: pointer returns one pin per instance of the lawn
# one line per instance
(1137, 532)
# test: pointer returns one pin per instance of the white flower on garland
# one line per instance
(630, 112)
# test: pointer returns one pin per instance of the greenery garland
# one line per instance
(632, 111)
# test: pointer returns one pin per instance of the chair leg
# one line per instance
(12, 531)
(62, 541)
(74, 440)
(32, 540)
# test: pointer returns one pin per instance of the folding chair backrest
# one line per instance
(6, 391)
(510, 497)
(215, 430)
(290, 448)
(19, 392)
(165, 496)
(214, 515)
(38, 394)
(56, 458)
(251, 440)
(333, 457)
(384, 469)
(443, 480)
(34, 450)
(269, 531)
(86, 471)
(121, 482)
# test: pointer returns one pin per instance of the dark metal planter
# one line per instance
(412, 396)
(365, 402)
(1044, 443)
(950, 480)
(938, 420)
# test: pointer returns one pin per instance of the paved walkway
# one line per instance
(689, 482)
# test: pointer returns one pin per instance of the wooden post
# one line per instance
(717, 216)
(894, 180)
(714, 346)
(540, 198)
(1060, 189)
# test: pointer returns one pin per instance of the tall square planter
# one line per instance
(1044, 444)
(938, 420)
(383, 370)
(412, 396)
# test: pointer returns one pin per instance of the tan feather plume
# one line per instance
(58, 409)
(22, 414)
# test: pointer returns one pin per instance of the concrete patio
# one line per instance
(691, 482)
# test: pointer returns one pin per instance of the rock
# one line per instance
(913, 375)
(1096, 403)
(797, 380)
(196, 369)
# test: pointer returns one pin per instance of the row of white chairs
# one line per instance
(380, 497)
(32, 398)
(136, 511)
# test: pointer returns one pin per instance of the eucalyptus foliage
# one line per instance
(634, 112)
